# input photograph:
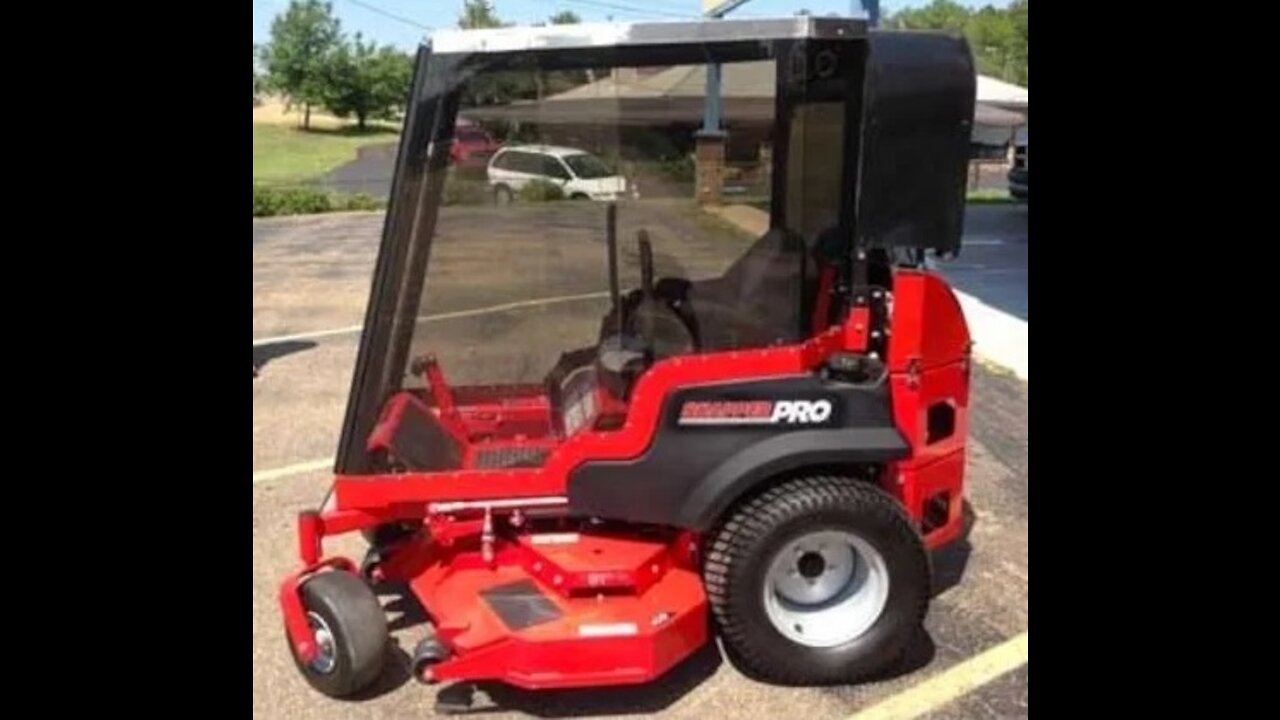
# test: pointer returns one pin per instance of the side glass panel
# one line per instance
(603, 173)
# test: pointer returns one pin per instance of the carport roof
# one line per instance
(999, 92)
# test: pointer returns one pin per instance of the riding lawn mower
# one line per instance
(590, 436)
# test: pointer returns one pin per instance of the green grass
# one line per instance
(995, 368)
(284, 154)
(269, 201)
(989, 197)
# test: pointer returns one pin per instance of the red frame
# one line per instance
(929, 363)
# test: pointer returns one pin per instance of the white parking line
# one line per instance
(308, 335)
(997, 335)
(953, 683)
(294, 469)
(457, 314)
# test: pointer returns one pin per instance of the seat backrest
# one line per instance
(415, 437)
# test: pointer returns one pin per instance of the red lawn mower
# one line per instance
(586, 455)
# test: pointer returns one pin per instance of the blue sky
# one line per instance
(402, 22)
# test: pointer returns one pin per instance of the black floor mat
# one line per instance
(511, 457)
(521, 605)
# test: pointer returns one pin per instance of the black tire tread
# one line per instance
(359, 624)
(745, 527)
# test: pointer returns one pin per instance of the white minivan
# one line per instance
(583, 176)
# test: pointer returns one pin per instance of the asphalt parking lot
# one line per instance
(311, 277)
(992, 265)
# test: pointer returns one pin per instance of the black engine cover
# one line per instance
(715, 442)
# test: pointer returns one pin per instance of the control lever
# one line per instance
(646, 286)
(646, 263)
(611, 240)
(429, 369)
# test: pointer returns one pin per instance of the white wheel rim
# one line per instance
(326, 654)
(826, 588)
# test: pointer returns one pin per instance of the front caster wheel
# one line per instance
(350, 631)
(818, 580)
(369, 569)
(428, 652)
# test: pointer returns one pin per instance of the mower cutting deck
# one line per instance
(580, 485)
(543, 620)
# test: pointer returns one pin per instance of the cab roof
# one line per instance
(587, 35)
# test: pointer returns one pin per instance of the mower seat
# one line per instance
(753, 304)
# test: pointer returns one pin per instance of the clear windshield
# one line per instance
(519, 307)
(587, 167)
(519, 267)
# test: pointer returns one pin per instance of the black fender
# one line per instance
(709, 498)
(695, 468)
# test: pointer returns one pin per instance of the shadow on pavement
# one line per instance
(395, 673)
(405, 612)
(263, 354)
(950, 562)
(405, 604)
(627, 700)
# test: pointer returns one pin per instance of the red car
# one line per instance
(472, 145)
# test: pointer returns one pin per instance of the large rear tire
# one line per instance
(818, 580)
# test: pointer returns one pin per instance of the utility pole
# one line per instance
(710, 141)
(715, 9)
(872, 9)
(711, 138)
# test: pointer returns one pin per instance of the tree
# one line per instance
(1018, 11)
(527, 81)
(557, 81)
(992, 36)
(565, 17)
(302, 39)
(491, 88)
(478, 14)
(938, 15)
(997, 37)
(257, 79)
(366, 81)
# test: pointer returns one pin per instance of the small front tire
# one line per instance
(350, 631)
